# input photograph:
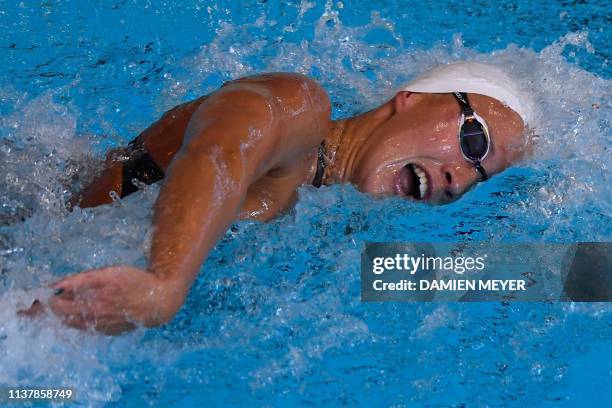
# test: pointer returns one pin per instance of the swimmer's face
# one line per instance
(416, 153)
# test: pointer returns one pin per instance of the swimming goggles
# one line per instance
(474, 136)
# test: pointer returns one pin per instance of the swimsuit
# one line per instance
(318, 178)
(141, 166)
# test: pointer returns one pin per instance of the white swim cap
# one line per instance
(474, 77)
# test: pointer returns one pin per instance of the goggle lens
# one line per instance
(474, 142)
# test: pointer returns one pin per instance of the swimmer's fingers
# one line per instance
(76, 322)
(110, 326)
(67, 286)
(117, 298)
(73, 320)
(77, 315)
(73, 313)
(90, 307)
(64, 308)
(36, 309)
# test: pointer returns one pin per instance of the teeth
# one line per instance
(422, 180)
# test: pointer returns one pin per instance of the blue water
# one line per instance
(275, 317)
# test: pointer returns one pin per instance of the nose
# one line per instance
(457, 179)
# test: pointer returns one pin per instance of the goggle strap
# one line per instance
(481, 170)
(462, 98)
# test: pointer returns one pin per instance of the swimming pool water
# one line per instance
(275, 317)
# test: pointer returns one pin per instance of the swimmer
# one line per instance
(242, 151)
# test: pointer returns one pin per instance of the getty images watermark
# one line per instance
(486, 272)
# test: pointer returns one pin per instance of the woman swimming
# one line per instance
(242, 152)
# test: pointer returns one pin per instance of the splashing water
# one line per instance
(275, 315)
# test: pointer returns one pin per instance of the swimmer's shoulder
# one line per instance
(289, 89)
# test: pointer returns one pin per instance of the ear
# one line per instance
(404, 100)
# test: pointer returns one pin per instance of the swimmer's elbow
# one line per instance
(244, 150)
(221, 163)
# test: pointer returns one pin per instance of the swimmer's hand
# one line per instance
(115, 299)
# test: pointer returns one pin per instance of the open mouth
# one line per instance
(413, 182)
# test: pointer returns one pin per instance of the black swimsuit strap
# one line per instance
(318, 178)
(141, 166)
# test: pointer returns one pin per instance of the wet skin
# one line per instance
(423, 129)
(242, 152)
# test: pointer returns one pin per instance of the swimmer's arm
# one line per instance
(232, 140)
(207, 183)
(165, 137)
